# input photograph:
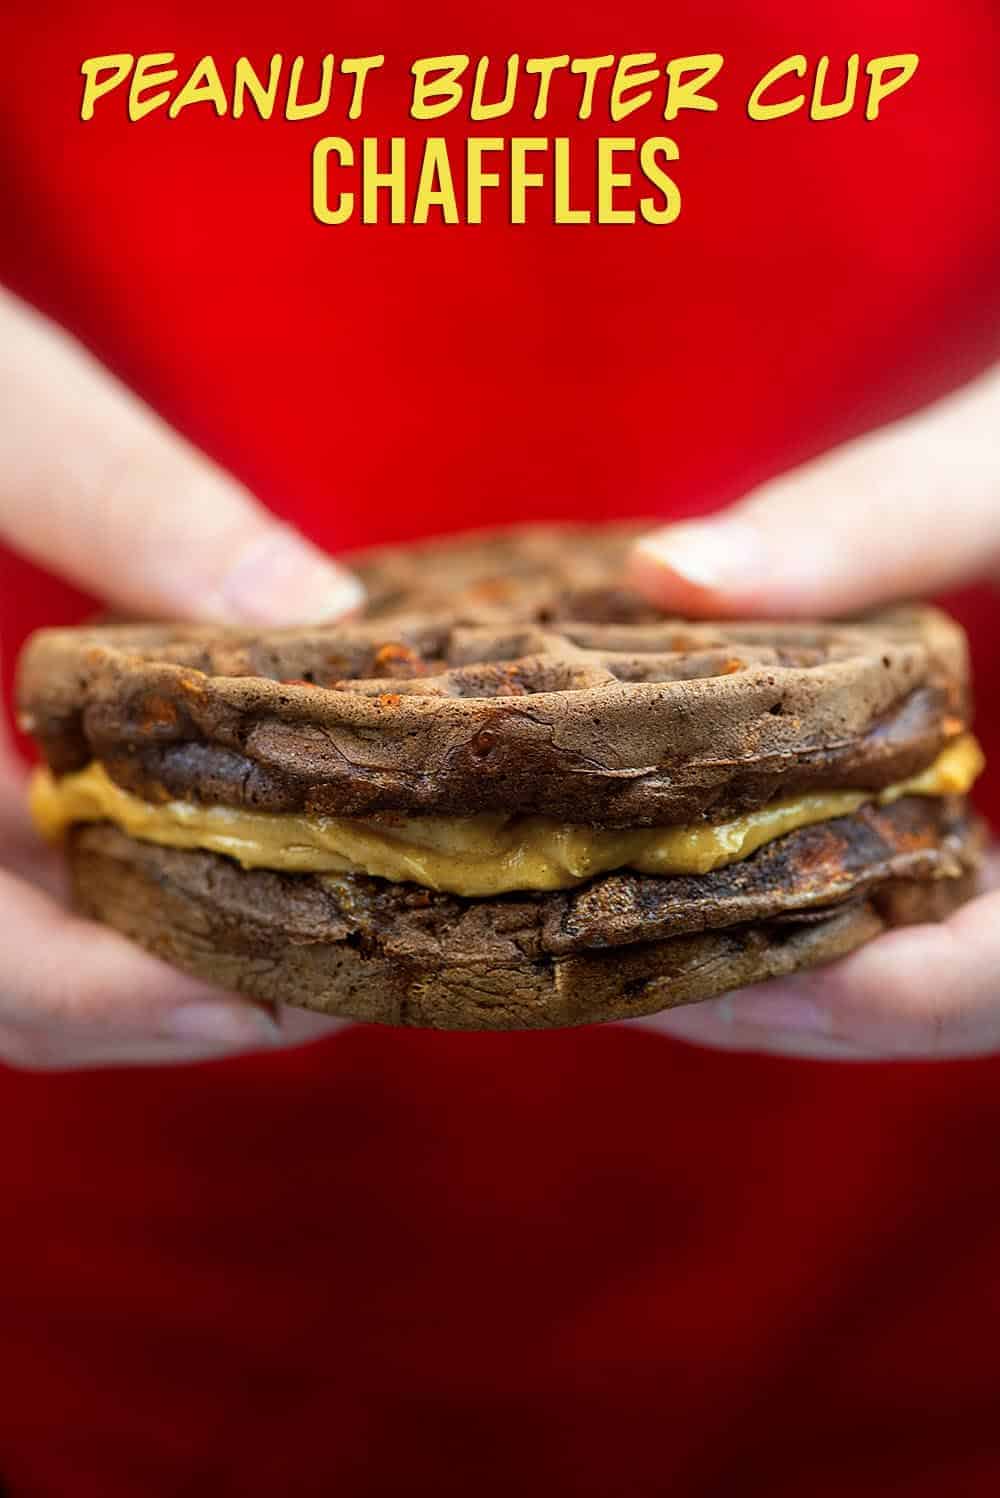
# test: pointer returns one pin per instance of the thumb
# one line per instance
(96, 487)
(908, 510)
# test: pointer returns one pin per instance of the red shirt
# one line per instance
(593, 1263)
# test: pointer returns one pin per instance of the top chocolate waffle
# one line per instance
(507, 672)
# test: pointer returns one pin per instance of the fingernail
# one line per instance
(282, 579)
(714, 554)
(229, 1026)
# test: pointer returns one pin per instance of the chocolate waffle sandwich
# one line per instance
(511, 795)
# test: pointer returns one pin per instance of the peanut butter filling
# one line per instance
(473, 856)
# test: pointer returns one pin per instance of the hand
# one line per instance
(96, 487)
(910, 510)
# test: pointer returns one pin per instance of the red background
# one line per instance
(595, 1263)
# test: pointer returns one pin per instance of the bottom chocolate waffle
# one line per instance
(618, 947)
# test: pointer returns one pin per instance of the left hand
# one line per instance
(97, 488)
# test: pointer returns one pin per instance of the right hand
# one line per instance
(910, 509)
(96, 487)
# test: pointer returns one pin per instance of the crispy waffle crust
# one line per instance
(502, 673)
(511, 672)
(620, 947)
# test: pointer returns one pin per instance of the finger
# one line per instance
(715, 1025)
(74, 993)
(20, 846)
(911, 509)
(95, 486)
(25, 854)
(15, 822)
(918, 992)
(301, 1026)
(13, 771)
